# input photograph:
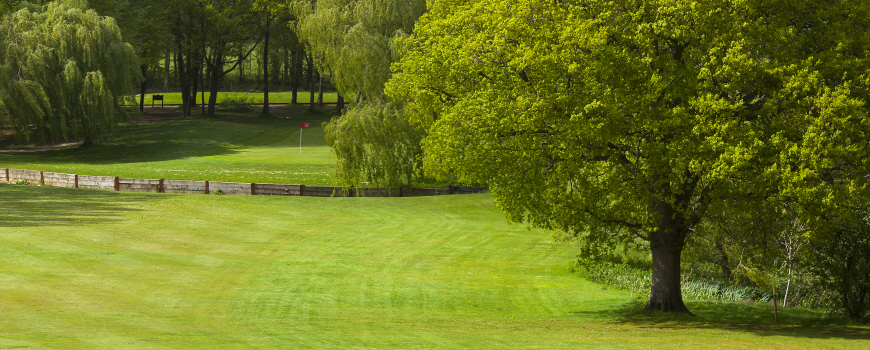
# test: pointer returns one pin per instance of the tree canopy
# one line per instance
(65, 71)
(373, 140)
(634, 121)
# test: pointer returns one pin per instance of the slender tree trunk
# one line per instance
(194, 79)
(297, 71)
(266, 67)
(175, 66)
(144, 85)
(666, 243)
(310, 81)
(787, 285)
(339, 105)
(722, 261)
(214, 80)
(182, 72)
(166, 71)
(202, 78)
(320, 90)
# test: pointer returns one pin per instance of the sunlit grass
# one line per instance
(86, 269)
(253, 150)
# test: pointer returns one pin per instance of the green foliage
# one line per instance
(373, 141)
(354, 37)
(375, 144)
(238, 103)
(65, 71)
(617, 120)
(635, 276)
(842, 261)
(218, 192)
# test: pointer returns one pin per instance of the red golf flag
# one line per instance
(304, 125)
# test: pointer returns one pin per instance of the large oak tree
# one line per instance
(632, 121)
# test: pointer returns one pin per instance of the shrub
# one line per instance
(636, 276)
(237, 104)
(842, 263)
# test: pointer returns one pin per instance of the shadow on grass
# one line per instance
(750, 318)
(32, 206)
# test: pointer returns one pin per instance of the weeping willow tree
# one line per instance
(65, 74)
(373, 141)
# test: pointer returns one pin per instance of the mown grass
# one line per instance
(254, 97)
(234, 147)
(83, 269)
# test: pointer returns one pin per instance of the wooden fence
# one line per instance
(112, 183)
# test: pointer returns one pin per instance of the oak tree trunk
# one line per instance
(666, 243)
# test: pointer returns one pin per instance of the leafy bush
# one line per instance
(842, 263)
(237, 104)
(636, 276)
(625, 276)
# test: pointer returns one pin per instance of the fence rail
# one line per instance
(113, 183)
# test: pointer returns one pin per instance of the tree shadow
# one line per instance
(32, 206)
(757, 319)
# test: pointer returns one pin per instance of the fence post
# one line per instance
(449, 189)
(301, 189)
(160, 187)
(206, 186)
(117, 184)
(76, 180)
(253, 191)
(41, 176)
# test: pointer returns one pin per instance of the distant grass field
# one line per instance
(274, 97)
(241, 149)
(85, 269)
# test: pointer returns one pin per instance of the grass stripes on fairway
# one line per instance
(106, 270)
